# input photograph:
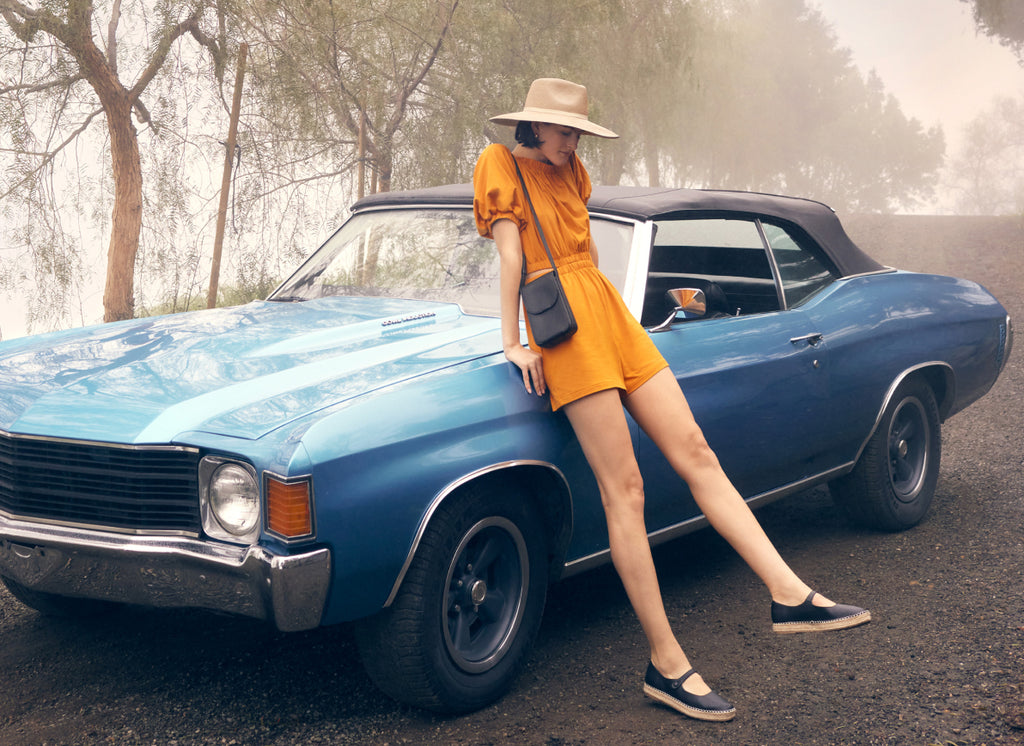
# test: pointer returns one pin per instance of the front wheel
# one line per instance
(465, 617)
(892, 485)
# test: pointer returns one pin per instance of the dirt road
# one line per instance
(942, 662)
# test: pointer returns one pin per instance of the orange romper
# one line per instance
(610, 349)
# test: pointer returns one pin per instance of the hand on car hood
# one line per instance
(239, 371)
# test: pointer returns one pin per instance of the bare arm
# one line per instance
(510, 251)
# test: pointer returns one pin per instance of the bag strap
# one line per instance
(536, 220)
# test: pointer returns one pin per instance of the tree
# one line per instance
(492, 53)
(736, 94)
(776, 105)
(741, 94)
(648, 92)
(987, 174)
(61, 57)
(1003, 19)
(632, 55)
(343, 77)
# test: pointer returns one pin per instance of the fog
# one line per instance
(930, 55)
(927, 54)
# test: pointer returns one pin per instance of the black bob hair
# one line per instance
(526, 136)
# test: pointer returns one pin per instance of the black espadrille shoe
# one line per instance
(810, 618)
(670, 692)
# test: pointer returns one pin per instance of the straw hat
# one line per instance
(555, 101)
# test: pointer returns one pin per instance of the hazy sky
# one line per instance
(930, 56)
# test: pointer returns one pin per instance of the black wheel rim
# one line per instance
(909, 449)
(485, 594)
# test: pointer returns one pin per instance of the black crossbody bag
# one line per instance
(547, 308)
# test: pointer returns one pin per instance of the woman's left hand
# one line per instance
(532, 366)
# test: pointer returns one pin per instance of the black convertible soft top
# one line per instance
(644, 203)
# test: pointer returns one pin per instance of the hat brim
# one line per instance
(553, 117)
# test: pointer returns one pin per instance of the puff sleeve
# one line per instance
(496, 191)
(582, 177)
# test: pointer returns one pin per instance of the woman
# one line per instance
(611, 363)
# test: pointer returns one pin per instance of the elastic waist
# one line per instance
(570, 263)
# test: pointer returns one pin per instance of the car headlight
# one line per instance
(231, 500)
(235, 499)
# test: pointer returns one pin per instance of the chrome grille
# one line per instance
(136, 489)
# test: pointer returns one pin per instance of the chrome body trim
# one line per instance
(451, 488)
(951, 396)
(882, 271)
(1007, 345)
(661, 536)
(288, 590)
(90, 527)
(780, 291)
(102, 443)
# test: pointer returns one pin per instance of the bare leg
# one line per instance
(660, 408)
(603, 433)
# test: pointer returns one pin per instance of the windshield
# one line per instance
(428, 254)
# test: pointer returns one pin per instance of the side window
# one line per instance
(802, 273)
(724, 258)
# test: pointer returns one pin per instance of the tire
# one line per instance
(50, 604)
(468, 610)
(893, 483)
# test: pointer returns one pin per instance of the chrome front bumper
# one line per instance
(167, 571)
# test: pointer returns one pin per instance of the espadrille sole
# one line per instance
(688, 710)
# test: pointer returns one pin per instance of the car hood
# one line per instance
(239, 372)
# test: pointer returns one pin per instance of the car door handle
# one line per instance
(812, 339)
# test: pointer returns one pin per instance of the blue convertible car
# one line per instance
(357, 448)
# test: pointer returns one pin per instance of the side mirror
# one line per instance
(690, 302)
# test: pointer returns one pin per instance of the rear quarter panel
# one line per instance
(878, 327)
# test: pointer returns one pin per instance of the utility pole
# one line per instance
(225, 185)
(362, 156)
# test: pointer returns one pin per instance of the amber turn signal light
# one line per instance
(289, 508)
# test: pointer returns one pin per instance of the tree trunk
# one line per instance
(74, 34)
(126, 220)
(653, 163)
(384, 165)
(126, 223)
